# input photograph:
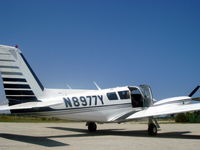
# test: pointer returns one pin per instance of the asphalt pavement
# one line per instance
(74, 136)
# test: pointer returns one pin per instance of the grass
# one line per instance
(30, 119)
(188, 117)
(181, 118)
(160, 121)
(166, 120)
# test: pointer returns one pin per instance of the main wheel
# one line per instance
(152, 129)
(92, 127)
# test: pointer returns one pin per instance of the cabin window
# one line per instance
(124, 94)
(112, 96)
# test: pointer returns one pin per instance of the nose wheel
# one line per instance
(92, 127)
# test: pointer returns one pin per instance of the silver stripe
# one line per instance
(4, 53)
(18, 89)
(11, 76)
(12, 82)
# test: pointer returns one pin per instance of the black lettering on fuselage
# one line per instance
(95, 99)
(90, 100)
(76, 102)
(67, 102)
(101, 98)
(84, 101)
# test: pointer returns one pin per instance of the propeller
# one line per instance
(194, 91)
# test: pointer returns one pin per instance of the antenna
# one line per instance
(96, 85)
(69, 87)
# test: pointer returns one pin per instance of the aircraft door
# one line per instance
(137, 99)
(148, 98)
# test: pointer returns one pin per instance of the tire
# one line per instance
(92, 127)
(152, 129)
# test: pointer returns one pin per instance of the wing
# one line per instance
(165, 107)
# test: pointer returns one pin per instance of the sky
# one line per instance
(112, 42)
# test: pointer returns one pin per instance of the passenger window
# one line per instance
(124, 94)
(112, 96)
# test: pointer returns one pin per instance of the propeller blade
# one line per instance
(194, 91)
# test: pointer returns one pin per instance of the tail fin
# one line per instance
(20, 83)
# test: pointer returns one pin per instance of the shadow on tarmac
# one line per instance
(42, 141)
(48, 142)
(121, 132)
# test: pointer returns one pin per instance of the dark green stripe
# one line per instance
(11, 73)
(14, 79)
(22, 98)
(18, 92)
(7, 60)
(13, 67)
(21, 86)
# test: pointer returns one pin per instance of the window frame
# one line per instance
(112, 98)
(122, 96)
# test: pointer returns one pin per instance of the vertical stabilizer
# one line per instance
(19, 81)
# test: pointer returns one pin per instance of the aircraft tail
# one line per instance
(20, 83)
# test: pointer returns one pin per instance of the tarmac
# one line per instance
(74, 136)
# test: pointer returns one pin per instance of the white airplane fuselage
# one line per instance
(87, 105)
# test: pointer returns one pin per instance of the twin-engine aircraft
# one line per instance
(26, 96)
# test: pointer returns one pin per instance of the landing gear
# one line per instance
(153, 127)
(92, 127)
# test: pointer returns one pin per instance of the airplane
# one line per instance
(26, 95)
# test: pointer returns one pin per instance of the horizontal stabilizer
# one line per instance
(30, 105)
